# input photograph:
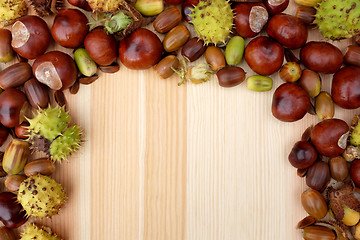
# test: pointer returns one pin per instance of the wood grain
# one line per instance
(195, 162)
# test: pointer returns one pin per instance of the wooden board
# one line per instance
(195, 162)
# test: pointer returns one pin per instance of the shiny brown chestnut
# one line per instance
(352, 55)
(21, 130)
(318, 176)
(250, 18)
(264, 55)
(141, 50)
(13, 105)
(6, 51)
(290, 102)
(70, 28)
(30, 36)
(321, 57)
(338, 168)
(187, 7)
(4, 133)
(37, 93)
(230, 76)
(345, 88)
(329, 137)
(276, 6)
(355, 172)
(288, 30)
(12, 214)
(83, 4)
(55, 69)
(101, 47)
(193, 49)
(302, 155)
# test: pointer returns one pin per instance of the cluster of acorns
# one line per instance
(96, 47)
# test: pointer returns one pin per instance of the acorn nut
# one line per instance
(164, 68)
(259, 83)
(16, 156)
(176, 38)
(43, 166)
(167, 20)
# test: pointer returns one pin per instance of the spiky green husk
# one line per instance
(49, 122)
(338, 19)
(41, 196)
(66, 144)
(355, 131)
(213, 20)
(34, 232)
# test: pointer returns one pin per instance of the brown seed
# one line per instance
(37, 93)
(306, 14)
(215, 58)
(352, 55)
(290, 56)
(338, 168)
(318, 233)
(13, 182)
(43, 166)
(307, 221)
(324, 106)
(167, 20)
(6, 234)
(318, 176)
(310, 81)
(15, 75)
(176, 38)
(74, 89)
(113, 68)
(164, 68)
(60, 98)
(193, 49)
(314, 203)
(302, 172)
(88, 80)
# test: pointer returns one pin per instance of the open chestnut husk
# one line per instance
(321, 57)
(30, 36)
(290, 102)
(56, 70)
(288, 30)
(250, 18)
(329, 137)
(345, 88)
(264, 55)
(70, 28)
(101, 47)
(13, 105)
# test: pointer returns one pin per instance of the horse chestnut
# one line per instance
(329, 137)
(302, 155)
(13, 105)
(12, 215)
(355, 172)
(264, 55)
(290, 102)
(345, 88)
(318, 176)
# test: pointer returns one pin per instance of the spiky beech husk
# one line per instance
(41, 196)
(213, 20)
(47, 7)
(338, 19)
(355, 131)
(66, 144)
(49, 122)
(34, 232)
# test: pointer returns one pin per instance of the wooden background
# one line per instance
(195, 162)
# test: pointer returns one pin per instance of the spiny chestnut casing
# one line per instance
(329, 137)
(41, 196)
(33, 231)
(16, 156)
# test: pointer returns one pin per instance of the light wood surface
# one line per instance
(195, 162)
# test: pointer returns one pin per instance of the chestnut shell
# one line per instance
(325, 137)
(345, 88)
(321, 57)
(264, 55)
(290, 102)
(288, 30)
